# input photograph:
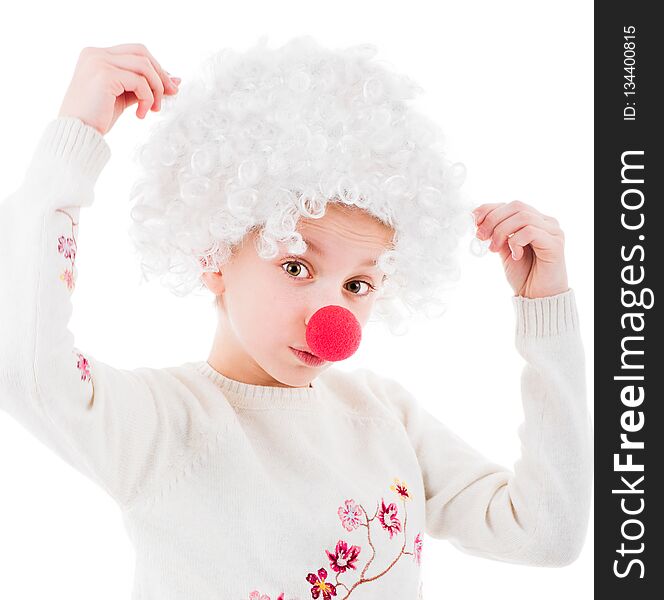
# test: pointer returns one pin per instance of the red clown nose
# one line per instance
(333, 333)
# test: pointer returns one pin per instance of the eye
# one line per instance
(293, 268)
(370, 288)
(294, 272)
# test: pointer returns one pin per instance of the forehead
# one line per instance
(347, 225)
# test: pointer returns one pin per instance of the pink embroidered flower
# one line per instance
(401, 489)
(321, 586)
(417, 548)
(67, 246)
(343, 557)
(68, 277)
(256, 595)
(84, 367)
(350, 515)
(388, 518)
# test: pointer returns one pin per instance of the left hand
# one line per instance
(538, 266)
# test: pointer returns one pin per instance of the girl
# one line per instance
(264, 472)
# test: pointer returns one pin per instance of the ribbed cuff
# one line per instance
(68, 159)
(548, 316)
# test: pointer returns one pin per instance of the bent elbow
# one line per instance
(562, 552)
(564, 556)
(550, 550)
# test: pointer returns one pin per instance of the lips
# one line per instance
(305, 350)
(307, 357)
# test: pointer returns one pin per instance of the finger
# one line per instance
(546, 247)
(482, 210)
(520, 219)
(499, 214)
(141, 50)
(133, 82)
(141, 65)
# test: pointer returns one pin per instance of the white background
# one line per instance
(511, 84)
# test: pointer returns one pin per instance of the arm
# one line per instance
(537, 514)
(124, 429)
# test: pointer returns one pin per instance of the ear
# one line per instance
(214, 282)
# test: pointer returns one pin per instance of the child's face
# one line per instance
(265, 305)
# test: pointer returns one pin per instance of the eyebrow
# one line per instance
(316, 250)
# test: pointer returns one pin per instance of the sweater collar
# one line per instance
(248, 395)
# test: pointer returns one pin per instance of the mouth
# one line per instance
(307, 358)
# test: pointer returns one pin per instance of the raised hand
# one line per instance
(108, 80)
(531, 246)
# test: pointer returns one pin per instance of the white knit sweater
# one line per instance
(229, 489)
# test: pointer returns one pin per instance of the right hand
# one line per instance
(108, 80)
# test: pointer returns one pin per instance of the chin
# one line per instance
(302, 376)
(296, 381)
(290, 376)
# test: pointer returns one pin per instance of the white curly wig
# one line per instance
(265, 137)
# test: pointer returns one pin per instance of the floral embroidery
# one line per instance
(67, 247)
(256, 595)
(84, 367)
(417, 548)
(388, 518)
(350, 515)
(320, 585)
(401, 489)
(68, 277)
(344, 558)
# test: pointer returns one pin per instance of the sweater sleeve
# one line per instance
(538, 513)
(123, 429)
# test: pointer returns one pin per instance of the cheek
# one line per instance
(263, 307)
(282, 303)
(363, 312)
